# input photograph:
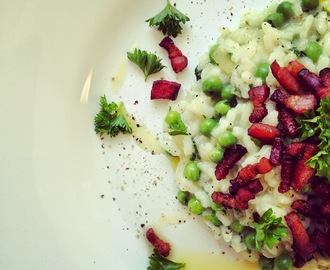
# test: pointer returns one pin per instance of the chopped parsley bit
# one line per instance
(111, 119)
(269, 230)
(168, 20)
(158, 262)
(317, 125)
(149, 63)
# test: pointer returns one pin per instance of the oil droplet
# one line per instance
(203, 260)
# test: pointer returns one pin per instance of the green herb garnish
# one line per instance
(269, 230)
(158, 262)
(111, 119)
(168, 20)
(149, 63)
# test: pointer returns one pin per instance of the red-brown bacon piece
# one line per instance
(304, 173)
(318, 85)
(231, 156)
(288, 81)
(288, 165)
(163, 89)
(277, 152)
(288, 121)
(295, 149)
(238, 201)
(258, 95)
(319, 239)
(307, 209)
(321, 187)
(298, 103)
(178, 61)
(295, 67)
(302, 245)
(263, 132)
(163, 248)
(325, 207)
(253, 185)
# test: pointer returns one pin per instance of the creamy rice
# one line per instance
(238, 53)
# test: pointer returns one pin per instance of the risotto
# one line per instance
(210, 124)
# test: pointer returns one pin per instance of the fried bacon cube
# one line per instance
(297, 103)
(163, 89)
(277, 152)
(231, 156)
(238, 201)
(263, 132)
(303, 173)
(287, 119)
(162, 247)
(302, 245)
(258, 95)
(318, 85)
(321, 187)
(307, 209)
(325, 207)
(295, 149)
(294, 67)
(288, 165)
(178, 61)
(288, 81)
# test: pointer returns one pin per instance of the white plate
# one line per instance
(68, 199)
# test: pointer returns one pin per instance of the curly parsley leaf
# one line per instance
(316, 126)
(111, 119)
(158, 262)
(149, 63)
(168, 20)
(269, 230)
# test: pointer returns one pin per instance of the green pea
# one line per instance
(250, 240)
(216, 154)
(183, 197)
(275, 19)
(191, 171)
(262, 70)
(222, 107)
(195, 206)
(266, 263)
(215, 206)
(283, 262)
(172, 117)
(309, 4)
(313, 50)
(214, 220)
(286, 8)
(227, 92)
(227, 138)
(236, 226)
(212, 86)
(207, 125)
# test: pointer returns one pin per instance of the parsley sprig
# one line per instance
(148, 62)
(158, 262)
(269, 230)
(111, 119)
(316, 125)
(168, 20)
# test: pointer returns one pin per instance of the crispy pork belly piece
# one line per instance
(297, 103)
(303, 173)
(318, 85)
(231, 156)
(287, 119)
(321, 187)
(307, 209)
(163, 89)
(258, 95)
(178, 61)
(302, 245)
(277, 152)
(288, 165)
(163, 248)
(288, 81)
(263, 132)
(238, 201)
